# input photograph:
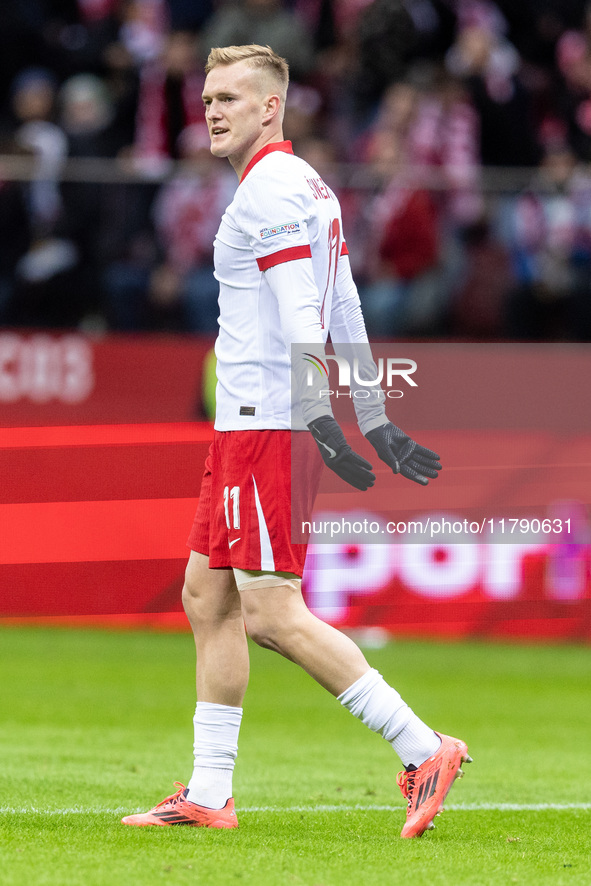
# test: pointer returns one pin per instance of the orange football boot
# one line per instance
(176, 809)
(426, 787)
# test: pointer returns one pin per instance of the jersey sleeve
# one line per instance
(274, 216)
(346, 319)
(295, 289)
(349, 339)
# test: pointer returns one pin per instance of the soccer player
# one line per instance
(284, 277)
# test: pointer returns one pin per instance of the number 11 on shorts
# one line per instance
(234, 494)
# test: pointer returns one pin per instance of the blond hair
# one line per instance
(260, 58)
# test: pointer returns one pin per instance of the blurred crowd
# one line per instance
(404, 106)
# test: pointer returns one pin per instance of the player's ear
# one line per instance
(272, 109)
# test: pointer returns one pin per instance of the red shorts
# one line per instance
(247, 504)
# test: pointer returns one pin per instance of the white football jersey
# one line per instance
(281, 262)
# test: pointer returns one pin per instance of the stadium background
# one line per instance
(457, 135)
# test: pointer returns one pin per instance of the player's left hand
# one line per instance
(403, 455)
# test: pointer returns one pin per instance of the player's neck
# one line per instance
(240, 163)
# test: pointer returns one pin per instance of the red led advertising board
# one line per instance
(102, 444)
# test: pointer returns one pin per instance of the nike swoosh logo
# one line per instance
(233, 542)
(332, 452)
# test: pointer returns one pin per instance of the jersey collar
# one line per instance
(268, 149)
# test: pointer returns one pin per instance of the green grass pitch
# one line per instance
(97, 724)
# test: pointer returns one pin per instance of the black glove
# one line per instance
(338, 455)
(403, 455)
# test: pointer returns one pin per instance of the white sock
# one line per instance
(216, 747)
(381, 708)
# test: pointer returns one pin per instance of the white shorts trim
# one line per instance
(267, 558)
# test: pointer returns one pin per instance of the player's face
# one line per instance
(236, 111)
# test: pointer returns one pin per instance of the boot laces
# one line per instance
(406, 782)
(174, 798)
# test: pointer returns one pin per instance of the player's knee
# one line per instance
(189, 595)
(208, 601)
(262, 632)
(280, 631)
(261, 623)
(194, 607)
(271, 604)
(192, 593)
